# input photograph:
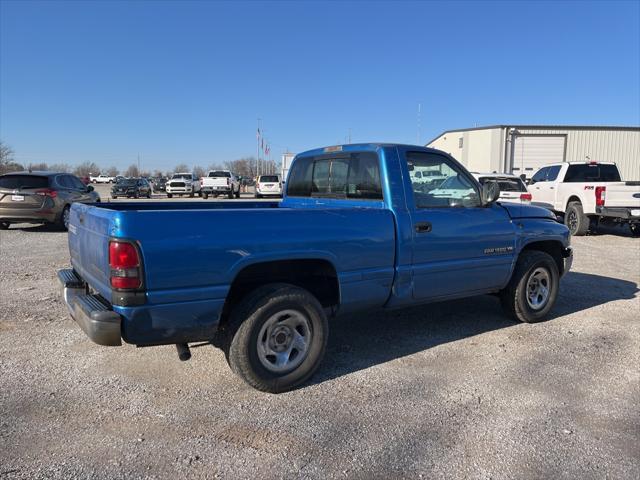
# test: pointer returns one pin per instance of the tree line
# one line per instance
(245, 167)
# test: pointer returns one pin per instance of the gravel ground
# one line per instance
(451, 390)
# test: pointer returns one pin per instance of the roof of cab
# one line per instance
(360, 147)
(38, 173)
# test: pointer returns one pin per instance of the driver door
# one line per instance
(459, 246)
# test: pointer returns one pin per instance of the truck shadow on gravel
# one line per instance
(357, 342)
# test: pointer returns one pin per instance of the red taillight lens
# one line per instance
(125, 265)
(526, 196)
(123, 255)
(47, 192)
(601, 195)
(228, 181)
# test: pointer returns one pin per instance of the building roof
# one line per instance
(540, 127)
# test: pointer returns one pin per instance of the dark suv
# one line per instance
(131, 187)
(41, 197)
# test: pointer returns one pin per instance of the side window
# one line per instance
(540, 175)
(77, 184)
(553, 173)
(64, 181)
(442, 183)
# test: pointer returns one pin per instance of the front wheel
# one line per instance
(533, 288)
(4, 225)
(276, 337)
(205, 195)
(169, 195)
(635, 229)
(231, 194)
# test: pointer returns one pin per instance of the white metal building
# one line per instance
(524, 148)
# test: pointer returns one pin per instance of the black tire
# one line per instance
(514, 297)
(191, 195)
(169, 195)
(149, 194)
(258, 195)
(64, 218)
(238, 193)
(205, 195)
(4, 225)
(257, 310)
(230, 194)
(576, 220)
(136, 195)
(114, 196)
(635, 229)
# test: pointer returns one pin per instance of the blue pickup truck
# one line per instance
(355, 231)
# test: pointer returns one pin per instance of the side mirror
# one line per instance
(530, 181)
(490, 192)
(89, 188)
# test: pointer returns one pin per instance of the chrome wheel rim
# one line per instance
(284, 340)
(65, 217)
(538, 288)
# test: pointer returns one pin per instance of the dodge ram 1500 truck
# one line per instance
(354, 232)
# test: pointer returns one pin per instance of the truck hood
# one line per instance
(527, 211)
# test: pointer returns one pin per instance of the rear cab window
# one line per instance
(592, 172)
(341, 176)
(219, 174)
(505, 184)
(17, 182)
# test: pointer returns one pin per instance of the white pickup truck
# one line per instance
(587, 194)
(220, 182)
(183, 184)
(101, 179)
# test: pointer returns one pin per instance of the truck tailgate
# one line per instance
(89, 231)
(623, 194)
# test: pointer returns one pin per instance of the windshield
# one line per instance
(181, 176)
(219, 173)
(268, 178)
(14, 182)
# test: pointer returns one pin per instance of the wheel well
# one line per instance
(573, 198)
(318, 277)
(551, 247)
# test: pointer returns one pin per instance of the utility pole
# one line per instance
(349, 135)
(418, 123)
(138, 164)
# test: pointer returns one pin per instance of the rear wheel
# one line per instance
(4, 225)
(238, 192)
(114, 196)
(276, 337)
(205, 195)
(533, 288)
(231, 193)
(169, 195)
(576, 220)
(258, 195)
(64, 218)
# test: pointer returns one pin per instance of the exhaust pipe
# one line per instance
(184, 353)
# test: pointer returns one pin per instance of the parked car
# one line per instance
(131, 188)
(41, 197)
(512, 188)
(587, 194)
(353, 233)
(160, 185)
(220, 182)
(183, 184)
(102, 179)
(268, 185)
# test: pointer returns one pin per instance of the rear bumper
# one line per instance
(220, 189)
(28, 216)
(97, 320)
(622, 213)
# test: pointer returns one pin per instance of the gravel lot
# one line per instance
(451, 390)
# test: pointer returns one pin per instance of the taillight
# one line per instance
(47, 192)
(601, 195)
(228, 181)
(124, 261)
(526, 196)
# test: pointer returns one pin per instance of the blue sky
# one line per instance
(186, 81)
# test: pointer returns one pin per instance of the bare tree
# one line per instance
(215, 166)
(7, 162)
(199, 171)
(112, 171)
(60, 167)
(87, 168)
(181, 168)
(157, 174)
(132, 171)
(42, 166)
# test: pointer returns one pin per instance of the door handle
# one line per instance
(423, 227)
